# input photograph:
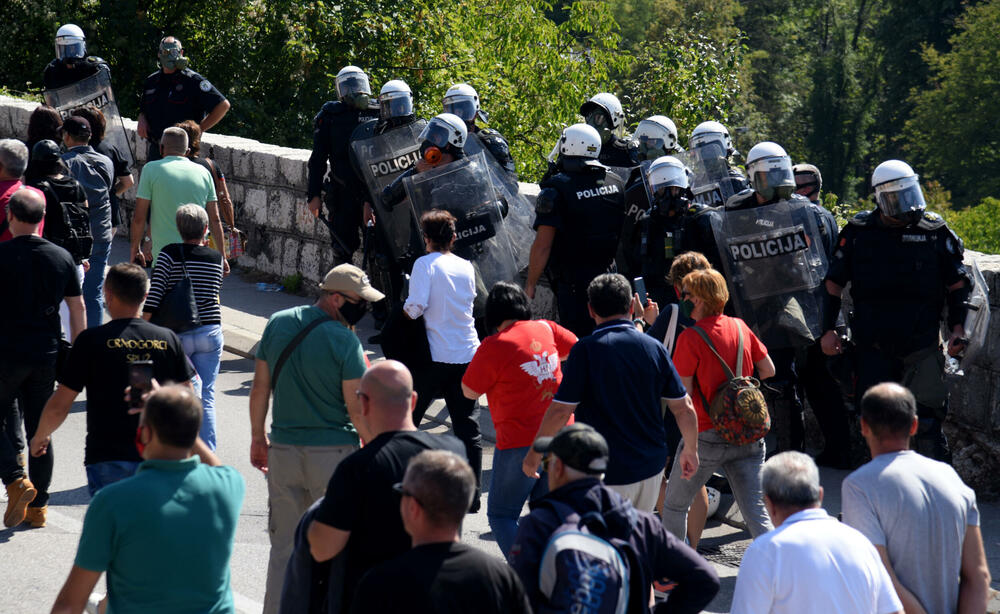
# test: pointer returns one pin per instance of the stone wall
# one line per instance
(267, 184)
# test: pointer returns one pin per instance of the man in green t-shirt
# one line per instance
(314, 379)
(164, 187)
(165, 535)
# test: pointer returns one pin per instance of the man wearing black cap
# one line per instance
(96, 172)
(576, 459)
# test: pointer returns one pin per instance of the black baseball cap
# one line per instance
(76, 126)
(578, 446)
(45, 151)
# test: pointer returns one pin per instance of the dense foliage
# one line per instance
(843, 84)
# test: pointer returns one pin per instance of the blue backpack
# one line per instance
(582, 571)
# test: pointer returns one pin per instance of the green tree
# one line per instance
(952, 133)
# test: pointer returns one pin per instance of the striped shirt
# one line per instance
(204, 267)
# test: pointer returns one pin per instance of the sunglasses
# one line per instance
(545, 462)
(401, 491)
(353, 301)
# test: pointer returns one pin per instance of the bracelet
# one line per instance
(640, 323)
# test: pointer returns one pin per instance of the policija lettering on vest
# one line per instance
(788, 242)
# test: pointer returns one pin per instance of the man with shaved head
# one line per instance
(360, 512)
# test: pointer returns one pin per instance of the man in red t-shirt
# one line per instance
(13, 162)
(518, 369)
(706, 293)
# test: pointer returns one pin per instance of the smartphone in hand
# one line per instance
(640, 289)
(140, 378)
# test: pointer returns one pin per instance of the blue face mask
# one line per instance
(687, 307)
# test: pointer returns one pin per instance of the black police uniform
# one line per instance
(58, 74)
(498, 147)
(586, 207)
(168, 99)
(899, 278)
(345, 192)
(782, 389)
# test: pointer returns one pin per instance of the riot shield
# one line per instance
(521, 215)
(96, 90)
(381, 159)
(977, 321)
(710, 181)
(775, 263)
(464, 189)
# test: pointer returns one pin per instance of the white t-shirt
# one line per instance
(919, 510)
(813, 564)
(443, 289)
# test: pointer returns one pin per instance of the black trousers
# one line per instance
(345, 221)
(787, 430)
(444, 380)
(31, 386)
(827, 403)
(571, 299)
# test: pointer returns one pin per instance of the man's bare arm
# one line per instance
(73, 597)
(260, 396)
(77, 316)
(974, 578)
(215, 116)
(325, 542)
(911, 605)
(139, 227)
(53, 415)
(556, 417)
(215, 226)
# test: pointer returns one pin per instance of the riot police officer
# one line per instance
(904, 265)
(176, 93)
(441, 142)
(345, 193)
(770, 174)
(710, 151)
(603, 112)
(462, 100)
(579, 215)
(71, 63)
(808, 182)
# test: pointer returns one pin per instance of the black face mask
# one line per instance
(667, 204)
(353, 312)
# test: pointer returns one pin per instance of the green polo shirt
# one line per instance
(168, 184)
(165, 537)
(308, 407)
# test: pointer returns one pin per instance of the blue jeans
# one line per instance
(203, 345)
(100, 475)
(509, 489)
(93, 283)
(742, 466)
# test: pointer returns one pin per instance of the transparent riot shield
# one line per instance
(96, 90)
(710, 181)
(381, 159)
(775, 263)
(977, 321)
(464, 189)
(521, 215)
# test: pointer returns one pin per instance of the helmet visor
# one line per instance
(897, 198)
(667, 177)
(437, 134)
(399, 105)
(353, 83)
(706, 138)
(70, 49)
(462, 106)
(770, 175)
(712, 148)
(652, 147)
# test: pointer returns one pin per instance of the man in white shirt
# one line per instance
(918, 513)
(811, 563)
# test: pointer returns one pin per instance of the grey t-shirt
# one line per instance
(919, 510)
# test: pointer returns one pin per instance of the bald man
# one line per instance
(360, 512)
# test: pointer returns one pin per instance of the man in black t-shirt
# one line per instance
(99, 362)
(439, 575)
(37, 276)
(360, 511)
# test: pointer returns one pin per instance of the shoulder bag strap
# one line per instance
(294, 343)
(739, 351)
(729, 372)
(670, 338)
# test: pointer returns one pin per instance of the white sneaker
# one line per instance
(713, 500)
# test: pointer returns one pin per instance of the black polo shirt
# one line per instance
(170, 99)
(360, 499)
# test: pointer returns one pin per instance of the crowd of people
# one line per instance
(611, 420)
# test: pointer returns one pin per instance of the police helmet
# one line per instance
(70, 42)
(655, 136)
(667, 172)
(462, 100)
(351, 80)
(602, 108)
(769, 170)
(711, 132)
(897, 190)
(395, 99)
(581, 141)
(446, 129)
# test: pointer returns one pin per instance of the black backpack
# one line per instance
(67, 220)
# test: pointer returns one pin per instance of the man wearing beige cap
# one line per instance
(311, 360)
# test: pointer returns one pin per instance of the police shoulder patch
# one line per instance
(930, 221)
(205, 86)
(546, 201)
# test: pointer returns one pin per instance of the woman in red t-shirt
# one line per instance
(518, 369)
(702, 375)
